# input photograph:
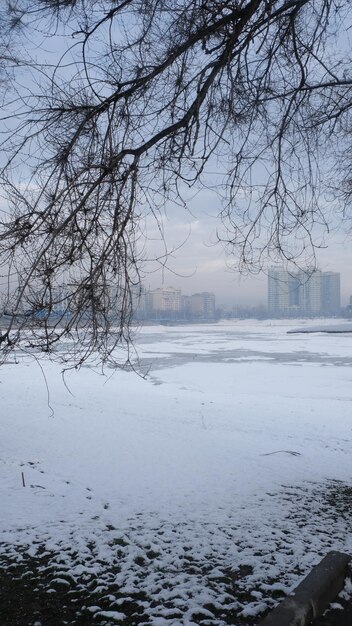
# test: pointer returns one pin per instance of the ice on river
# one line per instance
(206, 483)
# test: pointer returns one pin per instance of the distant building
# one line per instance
(283, 292)
(202, 305)
(164, 302)
(310, 292)
(170, 304)
(330, 293)
(305, 292)
(349, 307)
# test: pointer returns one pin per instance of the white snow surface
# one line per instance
(203, 490)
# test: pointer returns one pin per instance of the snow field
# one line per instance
(199, 494)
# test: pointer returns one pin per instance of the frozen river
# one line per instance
(197, 494)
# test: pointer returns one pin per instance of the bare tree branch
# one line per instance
(141, 98)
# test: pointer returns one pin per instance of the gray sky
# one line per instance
(198, 266)
(195, 261)
(199, 263)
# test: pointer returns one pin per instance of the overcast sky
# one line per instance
(198, 263)
(200, 266)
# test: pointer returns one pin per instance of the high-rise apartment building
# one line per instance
(164, 300)
(309, 292)
(305, 292)
(330, 293)
(283, 291)
(202, 305)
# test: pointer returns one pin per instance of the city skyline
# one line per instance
(169, 303)
(249, 291)
(305, 292)
(189, 257)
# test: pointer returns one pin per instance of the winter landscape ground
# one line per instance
(200, 493)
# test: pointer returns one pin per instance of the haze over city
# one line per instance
(200, 263)
(196, 260)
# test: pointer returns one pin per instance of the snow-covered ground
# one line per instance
(195, 495)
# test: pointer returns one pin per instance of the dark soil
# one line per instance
(337, 617)
(36, 591)
(33, 594)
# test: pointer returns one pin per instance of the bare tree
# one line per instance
(146, 96)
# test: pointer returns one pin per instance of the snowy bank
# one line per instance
(198, 494)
